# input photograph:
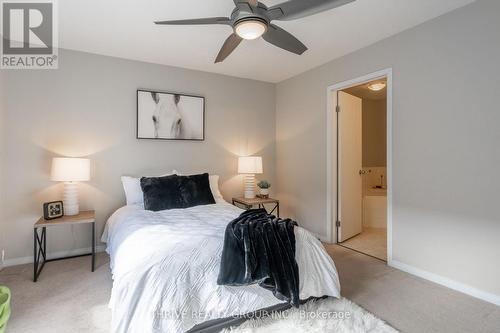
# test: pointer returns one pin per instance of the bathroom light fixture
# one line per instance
(250, 29)
(376, 86)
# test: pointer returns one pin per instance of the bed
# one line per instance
(165, 265)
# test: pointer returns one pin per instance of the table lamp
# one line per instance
(249, 166)
(70, 170)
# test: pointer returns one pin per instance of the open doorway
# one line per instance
(360, 165)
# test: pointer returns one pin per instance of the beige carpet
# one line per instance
(69, 298)
(372, 241)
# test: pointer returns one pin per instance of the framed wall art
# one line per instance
(170, 116)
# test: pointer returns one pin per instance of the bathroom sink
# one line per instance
(378, 191)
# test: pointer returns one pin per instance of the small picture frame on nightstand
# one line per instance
(53, 210)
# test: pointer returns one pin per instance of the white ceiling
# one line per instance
(124, 28)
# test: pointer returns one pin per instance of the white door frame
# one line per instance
(331, 156)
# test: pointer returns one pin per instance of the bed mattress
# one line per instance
(165, 266)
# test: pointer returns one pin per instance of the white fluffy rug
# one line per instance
(326, 315)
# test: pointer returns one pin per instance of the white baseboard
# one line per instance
(29, 259)
(449, 283)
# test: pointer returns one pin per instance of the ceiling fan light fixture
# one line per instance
(250, 29)
(251, 19)
(377, 86)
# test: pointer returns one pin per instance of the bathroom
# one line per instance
(366, 136)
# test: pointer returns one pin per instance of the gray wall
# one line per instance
(445, 142)
(88, 108)
(374, 133)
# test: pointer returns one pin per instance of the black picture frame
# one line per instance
(151, 91)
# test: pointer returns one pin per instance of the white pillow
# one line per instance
(214, 187)
(133, 190)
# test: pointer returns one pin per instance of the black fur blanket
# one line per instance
(260, 248)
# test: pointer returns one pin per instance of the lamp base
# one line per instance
(249, 181)
(70, 199)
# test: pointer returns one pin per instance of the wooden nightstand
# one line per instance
(260, 202)
(40, 240)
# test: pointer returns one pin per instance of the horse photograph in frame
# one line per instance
(170, 116)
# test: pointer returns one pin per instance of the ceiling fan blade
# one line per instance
(252, 3)
(294, 9)
(283, 39)
(208, 20)
(229, 45)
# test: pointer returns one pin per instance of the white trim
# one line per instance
(329, 179)
(444, 281)
(29, 259)
(330, 195)
(389, 166)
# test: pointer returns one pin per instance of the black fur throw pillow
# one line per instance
(175, 191)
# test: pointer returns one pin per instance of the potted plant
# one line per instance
(264, 186)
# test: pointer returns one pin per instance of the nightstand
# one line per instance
(40, 239)
(260, 202)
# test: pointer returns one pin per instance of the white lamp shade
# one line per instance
(250, 165)
(67, 169)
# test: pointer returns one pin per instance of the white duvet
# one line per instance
(165, 266)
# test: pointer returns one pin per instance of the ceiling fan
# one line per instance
(251, 19)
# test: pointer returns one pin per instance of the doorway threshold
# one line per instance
(366, 254)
